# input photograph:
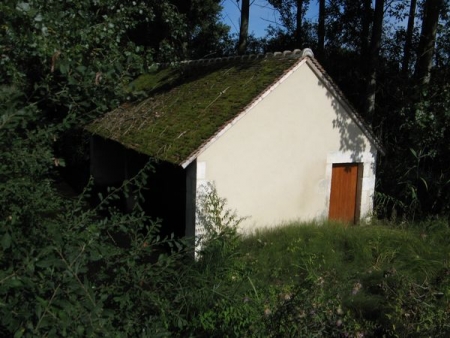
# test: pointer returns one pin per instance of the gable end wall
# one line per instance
(273, 164)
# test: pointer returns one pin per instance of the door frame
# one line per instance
(366, 176)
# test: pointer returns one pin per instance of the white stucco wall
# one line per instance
(274, 163)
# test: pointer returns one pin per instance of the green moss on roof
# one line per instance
(188, 105)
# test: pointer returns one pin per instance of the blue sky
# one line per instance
(261, 15)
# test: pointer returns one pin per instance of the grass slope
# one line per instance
(342, 252)
(329, 280)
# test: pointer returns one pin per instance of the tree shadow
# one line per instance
(352, 128)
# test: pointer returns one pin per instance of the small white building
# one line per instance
(274, 134)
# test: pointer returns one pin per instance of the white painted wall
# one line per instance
(274, 163)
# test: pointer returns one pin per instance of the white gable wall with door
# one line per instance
(274, 162)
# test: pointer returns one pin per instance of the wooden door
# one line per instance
(344, 192)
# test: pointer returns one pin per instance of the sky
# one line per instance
(261, 15)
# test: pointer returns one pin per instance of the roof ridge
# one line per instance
(287, 54)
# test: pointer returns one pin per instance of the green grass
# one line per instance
(341, 252)
(327, 280)
(332, 280)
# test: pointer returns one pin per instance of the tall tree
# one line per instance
(292, 14)
(243, 28)
(365, 30)
(321, 29)
(299, 23)
(181, 29)
(374, 51)
(427, 41)
(409, 37)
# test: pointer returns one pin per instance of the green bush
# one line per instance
(67, 269)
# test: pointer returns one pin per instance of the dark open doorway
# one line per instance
(164, 192)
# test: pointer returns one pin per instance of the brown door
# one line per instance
(344, 191)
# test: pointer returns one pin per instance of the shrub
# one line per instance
(217, 226)
(66, 269)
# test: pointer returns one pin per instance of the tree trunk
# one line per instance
(427, 40)
(375, 43)
(409, 36)
(299, 24)
(365, 33)
(364, 51)
(321, 29)
(243, 29)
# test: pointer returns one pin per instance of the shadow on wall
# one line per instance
(350, 126)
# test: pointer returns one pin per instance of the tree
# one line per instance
(321, 28)
(243, 28)
(432, 9)
(365, 32)
(206, 34)
(375, 44)
(181, 29)
(292, 16)
(299, 23)
(68, 268)
(409, 37)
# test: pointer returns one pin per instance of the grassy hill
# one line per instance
(331, 280)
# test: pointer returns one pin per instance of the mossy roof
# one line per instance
(188, 104)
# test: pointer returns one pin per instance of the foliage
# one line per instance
(215, 284)
(57, 54)
(324, 281)
(415, 172)
(287, 10)
(216, 227)
(79, 59)
(334, 281)
(67, 269)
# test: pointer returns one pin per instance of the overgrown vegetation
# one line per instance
(70, 270)
(329, 280)
(75, 270)
(376, 280)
